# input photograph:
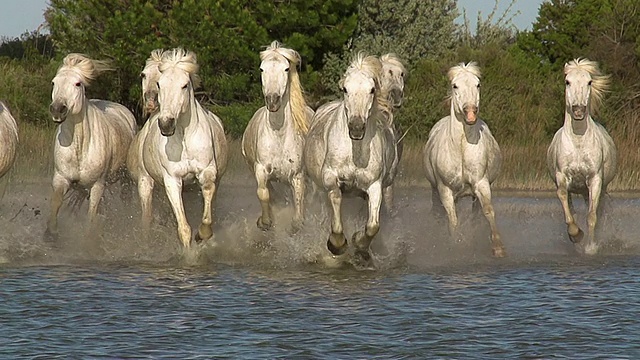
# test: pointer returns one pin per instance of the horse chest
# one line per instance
(282, 155)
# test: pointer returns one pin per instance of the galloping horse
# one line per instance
(182, 143)
(273, 142)
(461, 157)
(92, 138)
(349, 148)
(8, 145)
(150, 76)
(582, 156)
(392, 84)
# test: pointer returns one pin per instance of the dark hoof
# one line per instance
(264, 226)
(337, 251)
(578, 237)
(362, 260)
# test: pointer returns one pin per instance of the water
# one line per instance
(251, 295)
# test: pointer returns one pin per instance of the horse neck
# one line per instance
(76, 129)
(188, 121)
(459, 131)
(279, 119)
(578, 128)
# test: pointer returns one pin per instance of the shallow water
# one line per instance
(248, 294)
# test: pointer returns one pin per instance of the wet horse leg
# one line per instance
(337, 243)
(209, 188)
(387, 195)
(145, 191)
(264, 221)
(94, 200)
(362, 240)
(448, 202)
(595, 190)
(173, 188)
(483, 193)
(298, 189)
(575, 234)
(60, 187)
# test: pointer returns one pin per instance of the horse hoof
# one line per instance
(577, 238)
(499, 252)
(337, 251)
(362, 260)
(591, 249)
(264, 226)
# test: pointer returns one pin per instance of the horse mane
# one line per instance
(393, 59)
(296, 93)
(599, 82)
(87, 68)
(183, 60)
(470, 67)
(371, 66)
(155, 58)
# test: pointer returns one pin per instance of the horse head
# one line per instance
(150, 76)
(361, 88)
(68, 94)
(392, 78)
(584, 86)
(178, 76)
(465, 91)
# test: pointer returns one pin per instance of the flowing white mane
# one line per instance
(183, 60)
(87, 68)
(471, 67)
(599, 82)
(155, 59)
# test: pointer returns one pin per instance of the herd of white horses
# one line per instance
(347, 145)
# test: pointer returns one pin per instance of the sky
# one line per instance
(19, 16)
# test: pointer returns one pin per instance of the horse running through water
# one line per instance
(461, 157)
(273, 142)
(150, 76)
(8, 145)
(392, 83)
(92, 138)
(182, 143)
(349, 148)
(582, 156)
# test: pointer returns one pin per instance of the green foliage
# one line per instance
(236, 116)
(490, 30)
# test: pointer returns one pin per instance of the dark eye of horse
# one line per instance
(286, 70)
(185, 86)
(78, 84)
(372, 90)
(567, 82)
(261, 70)
(344, 89)
(143, 75)
(455, 86)
(590, 82)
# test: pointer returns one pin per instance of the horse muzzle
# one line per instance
(59, 112)
(578, 112)
(151, 101)
(470, 114)
(356, 128)
(396, 97)
(273, 102)
(167, 126)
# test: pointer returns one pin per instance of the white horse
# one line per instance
(92, 138)
(392, 83)
(582, 156)
(8, 145)
(150, 76)
(349, 148)
(461, 157)
(273, 142)
(182, 143)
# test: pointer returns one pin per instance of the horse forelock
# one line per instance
(183, 60)
(394, 60)
(155, 58)
(599, 81)
(462, 68)
(275, 49)
(88, 69)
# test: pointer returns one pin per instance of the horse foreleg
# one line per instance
(173, 188)
(483, 194)
(575, 234)
(337, 243)
(362, 240)
(145, 191)
(387, 194)
(264, 221)
(209, 189)
(449, 203)
(94, 200)
(60, 187)
(595, 190)
(298, 189)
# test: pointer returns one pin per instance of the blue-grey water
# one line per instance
(254, 295)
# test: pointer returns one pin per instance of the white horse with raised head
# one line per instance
(92, 138)
(8, 145)
(273, 142)
(349, 148)
(150, 76)
(392, 83)
(582, 156)
(182, 143)
(461, 156)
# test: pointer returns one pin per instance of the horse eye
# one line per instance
(567, 82)
(372, 90)
(143, 75)
(185, 86)
(344, 89)
(286, 70)
(78, 84)
(455, 86)
(261, 70)
(590, 82)
(402, 74)
(478, 86)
